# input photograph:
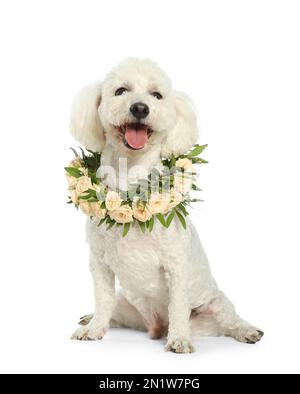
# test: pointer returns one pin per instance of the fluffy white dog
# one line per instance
(167, 287)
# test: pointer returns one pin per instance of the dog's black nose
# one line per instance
(139, 110)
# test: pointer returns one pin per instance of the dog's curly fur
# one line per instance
(167, 287)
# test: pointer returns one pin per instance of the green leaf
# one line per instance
(93, 199)
(151, 223)
(170, 218)
(70, 202)
(73, 172)
(92, 192)
(93, 177)
(172, 160)
(82, 152)
(74, 151)
(111, 224)
(142, 226)
(161, 218)
(86, 197)
(197, 150)
(126, 228)
(101, 221)
(183, 210)
(181, 219)
(199, 160)
(195, 187)
(90, 151)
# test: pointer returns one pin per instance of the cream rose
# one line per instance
(175, 198)
(112, 200)
(84, 171)
(92, 209)
(122, 214)
(76, 163)
(83, 184)
(72, 181)
(95, 187)
(141, 211)
(97, 211)
(74, 196)
(186, 164)
(86, 208)
(159, 203)
(182, 183)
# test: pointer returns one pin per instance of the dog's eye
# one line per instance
(157, 95)
(120, 91)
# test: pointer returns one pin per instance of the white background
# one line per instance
(240, 62)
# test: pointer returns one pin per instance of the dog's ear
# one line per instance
(85, 125)
(185, 132)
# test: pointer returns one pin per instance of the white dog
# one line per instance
(167, 287)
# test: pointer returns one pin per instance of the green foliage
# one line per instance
(73, 172)
(126, 228)
(163, 179)
(151, 223)
(181, 219)
(142, 226)
(111, 224)
(91, 161)
(89, 196)
(101, 221)
(196, 151)
(170, 218)
(183, 209)
(161, 218)
(195, 187)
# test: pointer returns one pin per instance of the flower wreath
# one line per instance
(142, 202)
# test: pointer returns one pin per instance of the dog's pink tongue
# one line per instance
(136, 135)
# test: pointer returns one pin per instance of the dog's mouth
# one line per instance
(135, 135)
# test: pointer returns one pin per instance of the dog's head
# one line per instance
(132, 109)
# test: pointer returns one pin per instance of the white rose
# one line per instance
(83, 184)
(112, 200)
(182, 183)
(122, 214)
(141, 211)
(158, 203)
(186, 164)
(72, 181)
(175, 198)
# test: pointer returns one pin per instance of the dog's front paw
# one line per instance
(179, 345)
(93, 331)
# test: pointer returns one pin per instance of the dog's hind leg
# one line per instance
(124, 315)
(219, 318)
